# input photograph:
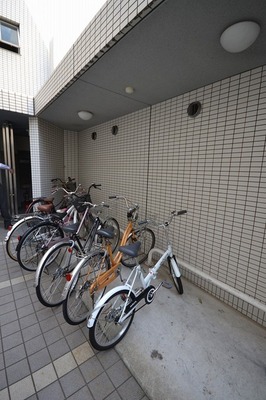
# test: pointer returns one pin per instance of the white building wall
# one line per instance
(47, 155)
(212, 165)
(22, 75)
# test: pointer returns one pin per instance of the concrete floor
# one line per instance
(189, 347)
(194, 347)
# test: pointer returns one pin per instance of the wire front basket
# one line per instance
(78, 202)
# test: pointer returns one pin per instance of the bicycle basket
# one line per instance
(71, 186)
(78, 203)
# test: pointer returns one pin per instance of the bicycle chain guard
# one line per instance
(147, 295)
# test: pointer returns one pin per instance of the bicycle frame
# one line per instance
(103, 279)
(92, 237)
(147, 291)
(145, 282)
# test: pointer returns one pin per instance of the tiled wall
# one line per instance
(212, 165)
(47, 156)
(16, 102)
(22, 74)
(71, 155)
(119, 163)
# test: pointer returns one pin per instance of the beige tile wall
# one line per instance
(212, 165)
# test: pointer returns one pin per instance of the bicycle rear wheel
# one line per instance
(52, 272)
(34, 244)
(79, 302)
(113, 224)
(106, 332)
(147, 239)
(33, 206)
(16, 233)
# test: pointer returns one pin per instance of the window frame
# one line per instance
(6, 44)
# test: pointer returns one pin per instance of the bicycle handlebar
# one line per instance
(127, 201)
(166, 223)
(95, 186)
(177, 213)
(88, 203)
(68, 193)
(174, 214)
(69, 179)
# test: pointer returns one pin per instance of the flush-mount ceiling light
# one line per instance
(240, 36)
(129, 90)
(85, 115)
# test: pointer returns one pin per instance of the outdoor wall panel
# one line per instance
(47, 155)
(212, 165)
(23, 74)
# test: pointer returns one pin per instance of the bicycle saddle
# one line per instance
(71, 228)
(46, 208)
(107, 233)
(130, 250)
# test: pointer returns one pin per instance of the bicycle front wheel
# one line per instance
(52, 272)
(106, 330)
(177, 279)
(16, 233)
(79, 302)
(34, 244)
(147, 239)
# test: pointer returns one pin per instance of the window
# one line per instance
(9, 36)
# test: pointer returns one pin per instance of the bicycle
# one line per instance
(54, 268)
(36, 241)
(69, 184)
(41, 209)
(92, 274)
(114, 312)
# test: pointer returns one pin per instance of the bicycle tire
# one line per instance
(177, 280)
(147, 238)
(78, 302)
(105, 332)
(16, 233)
(112, 223)
(51, 275)
(35, 242)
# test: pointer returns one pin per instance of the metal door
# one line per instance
(9, 159)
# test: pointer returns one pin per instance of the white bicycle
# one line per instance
(114, 312)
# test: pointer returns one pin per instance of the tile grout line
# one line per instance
(15, 281)
(56, 366)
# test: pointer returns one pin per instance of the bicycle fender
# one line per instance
(69, 283)
(20, 222)
(76, 269)
(44, 258)
(101, 302)
(175, 266)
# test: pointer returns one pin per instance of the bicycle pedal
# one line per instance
(167, 285)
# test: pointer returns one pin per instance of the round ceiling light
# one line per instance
(129, 90)
(85, 115)
(240, 36)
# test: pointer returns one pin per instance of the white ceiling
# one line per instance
(175, 49)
